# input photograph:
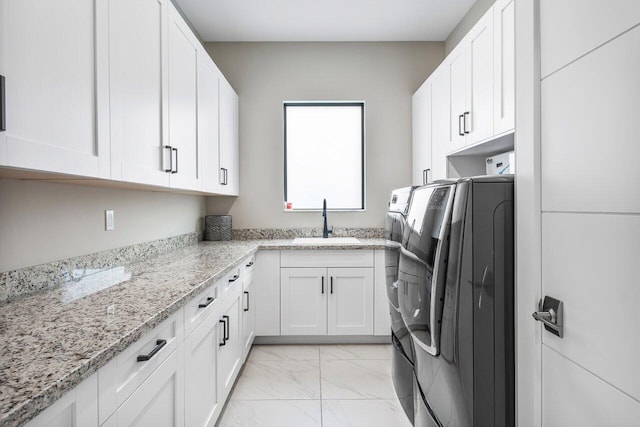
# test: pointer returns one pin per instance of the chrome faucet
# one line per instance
(325, 230)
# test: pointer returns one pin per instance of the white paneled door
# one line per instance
(303, 293)
(586, 217)
(350, 304)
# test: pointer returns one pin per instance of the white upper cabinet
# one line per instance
(421, 124)
(456, 69)
(229, 174)
(53, 101)
(504, 71)
(118, 90)
(137, 90)
(478, 119)
(472, 92)
(183, 107)
(440, 119)
(208, 76)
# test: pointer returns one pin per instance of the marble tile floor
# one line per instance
(315, 386)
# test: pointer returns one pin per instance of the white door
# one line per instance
(479, 119)
(229, 348)
(504, 70)
(159, 401)
(421, 125)
(229, 172)
(440, 113)
(583, 223)
(456, 69)
(183, 108)
(303, 293)
(52, 98)
(137, 90)
(202, 404)
(208, 122)
(350, 303)
(248, 313)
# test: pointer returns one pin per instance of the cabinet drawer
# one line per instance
(231, 280)
(320, 258)
(118, 379)
(200, 307)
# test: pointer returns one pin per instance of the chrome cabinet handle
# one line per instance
(550, 315)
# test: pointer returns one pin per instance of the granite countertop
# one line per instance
(54, 339)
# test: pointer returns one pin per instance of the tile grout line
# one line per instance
(321, 398)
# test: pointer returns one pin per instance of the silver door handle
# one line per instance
(550, 314)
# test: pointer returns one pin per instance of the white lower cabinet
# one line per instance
(248, 313)
(350, 301)
(229, 344)
(202, 400)
(79, 407)
(266, 294)
(159, 401)
(303, 301)
(321, 301)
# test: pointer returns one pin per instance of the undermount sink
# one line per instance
(328, 242)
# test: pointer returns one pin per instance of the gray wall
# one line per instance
(468, 21)
(42, 222)
(384, 75)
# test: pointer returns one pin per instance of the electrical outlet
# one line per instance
(109, 220)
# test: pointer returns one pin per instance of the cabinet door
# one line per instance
(350, 306)
(267, 293)
(78, 407)
(50, 58)
(456, 68)
(422, 134)
(137, 90)
(440, 114)
(229, 348)
(504, 66)
(159, 401)
(228, 139)
(479, 119)
(183, 59)
(202, 404)
(208, 122)
(303, 293)
(248, 314)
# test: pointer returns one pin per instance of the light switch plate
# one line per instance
(109, 220)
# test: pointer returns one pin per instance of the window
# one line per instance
(324, 155)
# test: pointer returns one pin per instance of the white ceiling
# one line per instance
(324, 20)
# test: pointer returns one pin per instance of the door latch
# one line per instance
(550, 314)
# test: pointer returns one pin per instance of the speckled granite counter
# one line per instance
(54, 339)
